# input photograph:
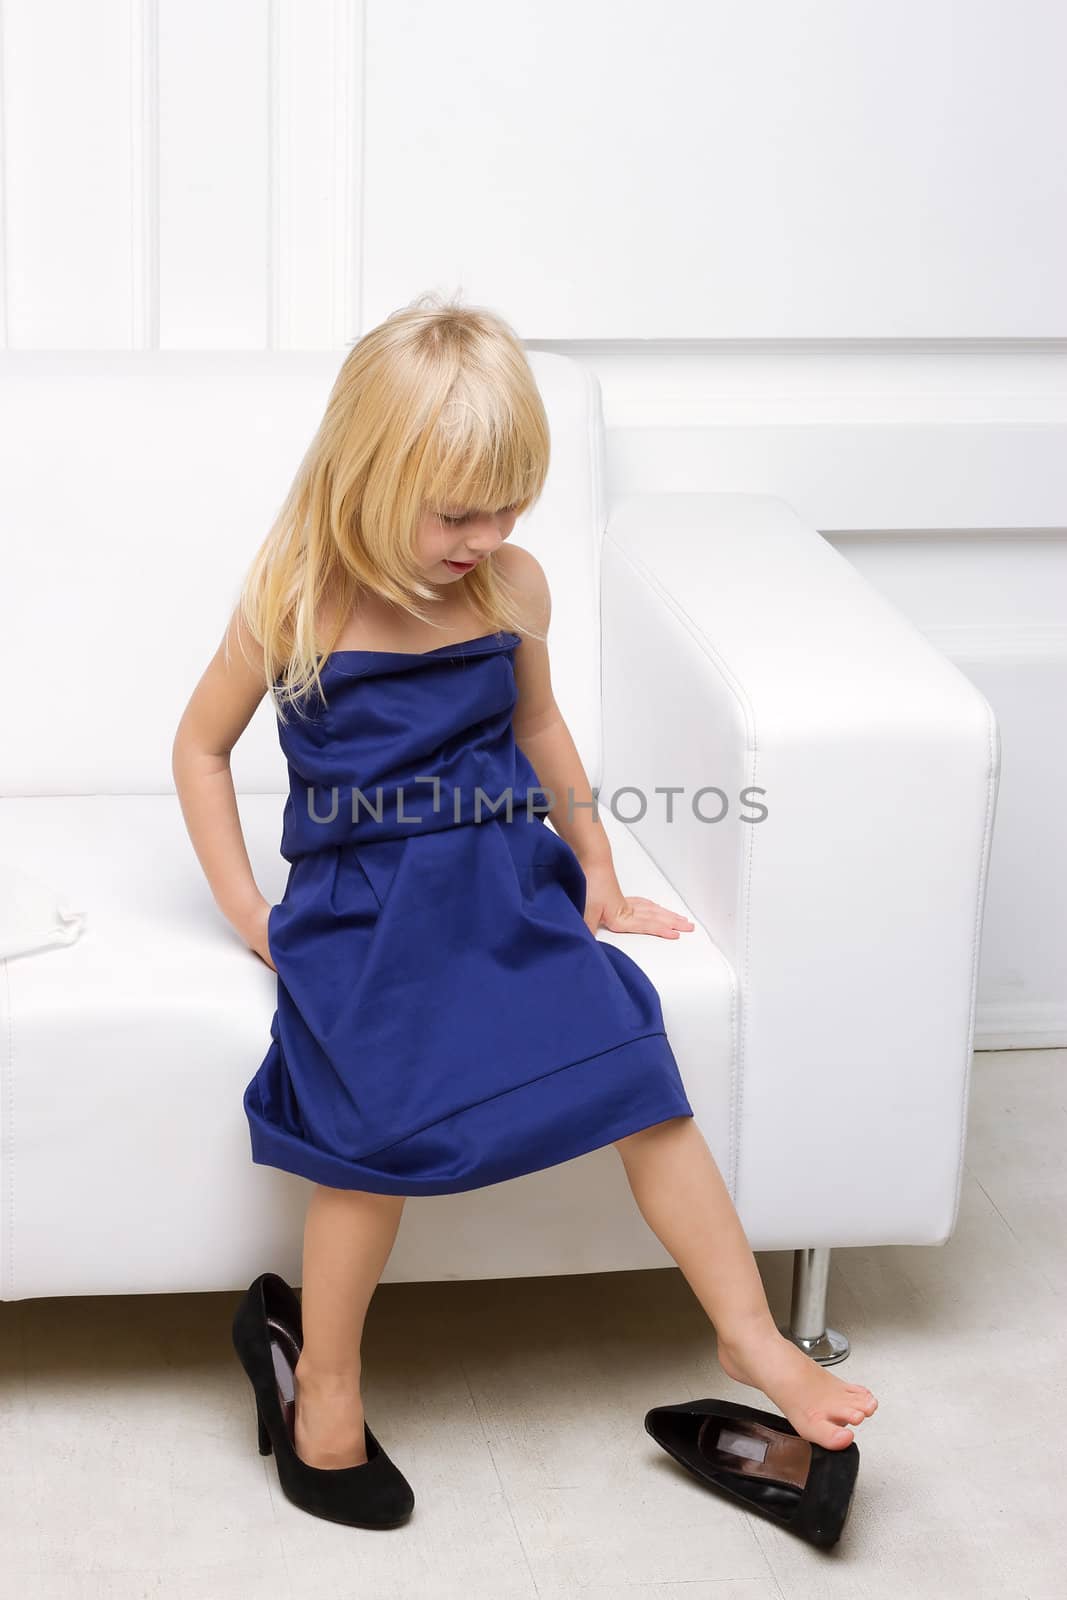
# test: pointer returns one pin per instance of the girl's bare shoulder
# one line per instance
(526, 578)
(535, 706)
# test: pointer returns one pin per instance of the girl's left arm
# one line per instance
(546, 741)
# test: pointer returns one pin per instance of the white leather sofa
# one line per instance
(822, 1010)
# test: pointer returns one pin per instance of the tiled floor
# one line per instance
(128, 1462)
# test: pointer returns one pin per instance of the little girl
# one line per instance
(446, 1016)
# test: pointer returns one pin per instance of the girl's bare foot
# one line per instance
(328, 1428)
(812, 1399)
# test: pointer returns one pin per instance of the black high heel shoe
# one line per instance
(759, 1461)
(268, 1336)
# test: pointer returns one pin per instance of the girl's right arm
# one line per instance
(220, 709)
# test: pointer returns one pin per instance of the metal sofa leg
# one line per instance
(807, 1313)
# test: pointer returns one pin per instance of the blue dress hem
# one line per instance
(505, 1136)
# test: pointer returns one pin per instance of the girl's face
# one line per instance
(453, 539)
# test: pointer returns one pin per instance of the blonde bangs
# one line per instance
(483, 458)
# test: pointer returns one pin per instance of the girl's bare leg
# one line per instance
(348, 1235)
(681, 1195)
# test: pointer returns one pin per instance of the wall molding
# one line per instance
(707, 383)
(1020, 1025)
(967, 642)
(858, 435)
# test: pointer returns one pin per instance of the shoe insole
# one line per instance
(284, 1357)
(755, 1451)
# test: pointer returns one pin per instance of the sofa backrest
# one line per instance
(134, 492)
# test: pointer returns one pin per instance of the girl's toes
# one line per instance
(863, 1398)
(831, 1436)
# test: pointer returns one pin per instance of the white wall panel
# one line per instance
(1022, 999)
(67, 150)
(316, 154)
(214, 222)
(617, 170)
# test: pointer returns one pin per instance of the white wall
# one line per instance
(818, 250)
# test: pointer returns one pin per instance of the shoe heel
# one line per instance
(264, 1436)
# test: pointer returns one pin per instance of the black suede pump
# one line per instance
(268, 1337)
(759, 1461)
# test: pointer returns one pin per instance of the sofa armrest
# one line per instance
(740, 650)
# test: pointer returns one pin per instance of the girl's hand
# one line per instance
(254, 932)
(607, 907)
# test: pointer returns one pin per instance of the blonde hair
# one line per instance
(436, 406)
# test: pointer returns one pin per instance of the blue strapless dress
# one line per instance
(445, 1018)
